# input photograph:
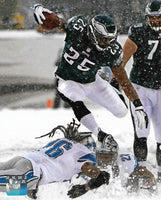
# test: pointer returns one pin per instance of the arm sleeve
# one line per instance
(90, 158)
(134, 33)
(76, 25)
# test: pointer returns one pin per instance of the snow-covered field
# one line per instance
(19, 128)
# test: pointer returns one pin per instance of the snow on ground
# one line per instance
(18, 129)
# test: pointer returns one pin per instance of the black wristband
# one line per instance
(137, 103)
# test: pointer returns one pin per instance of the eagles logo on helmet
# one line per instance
(102, 30)
(153, 15)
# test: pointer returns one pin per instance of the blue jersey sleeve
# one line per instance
(88, 158)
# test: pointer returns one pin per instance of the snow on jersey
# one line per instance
(127, 164)
(59, 160)
(81, 60)
(146, 69)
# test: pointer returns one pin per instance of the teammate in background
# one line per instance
(90, 45)
(57, 161)
(144, 44)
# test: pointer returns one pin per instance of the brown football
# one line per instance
(50, 22)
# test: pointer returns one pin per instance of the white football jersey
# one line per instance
(127, 164)
(59, 160)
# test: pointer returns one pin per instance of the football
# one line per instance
(50, 22)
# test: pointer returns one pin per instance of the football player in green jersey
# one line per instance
(89, 45)
(144, 43)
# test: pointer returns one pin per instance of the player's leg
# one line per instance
(140, 136)
(56, 99)
(156, 114)
(74, 93)
(17, 166)
(107, 96)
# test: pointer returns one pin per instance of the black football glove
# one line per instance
(76, 191)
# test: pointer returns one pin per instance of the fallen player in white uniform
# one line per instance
(134, 178)
(57, 161)
(62, 159)
(125, 166)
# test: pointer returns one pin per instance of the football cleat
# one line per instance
(107, 140)
(107, 152)
(110, 143)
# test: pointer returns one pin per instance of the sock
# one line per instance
(142, 163)
(89, 122)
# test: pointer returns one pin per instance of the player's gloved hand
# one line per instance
(141, 115)
(38, 13)
(76, 191)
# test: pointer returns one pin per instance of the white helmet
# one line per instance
(106, 156)
(88, 141)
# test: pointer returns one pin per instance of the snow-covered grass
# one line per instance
(18, 129)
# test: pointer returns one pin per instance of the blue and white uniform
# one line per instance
(59, 160)
(127, 164)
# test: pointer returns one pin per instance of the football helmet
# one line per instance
(106, 156)
(101, 31)
(153, 15)
(89, 142)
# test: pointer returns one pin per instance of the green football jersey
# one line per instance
(146, 70)
(80, 59)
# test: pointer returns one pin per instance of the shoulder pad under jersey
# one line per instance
(136, 31)
(77, 23)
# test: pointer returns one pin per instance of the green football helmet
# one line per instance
(102, 30)
(153, 11)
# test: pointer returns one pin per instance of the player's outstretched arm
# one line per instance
(98, 178)
(129, 49)
(131, 93)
